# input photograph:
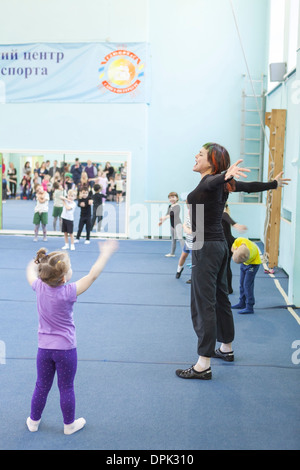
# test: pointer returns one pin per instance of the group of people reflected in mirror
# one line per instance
(26, 180)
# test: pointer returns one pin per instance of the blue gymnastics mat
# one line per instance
(134, 330)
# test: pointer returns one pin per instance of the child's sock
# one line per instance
(179, 268)
(75, 426)
(33, 426)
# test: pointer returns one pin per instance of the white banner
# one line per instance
(74, 73)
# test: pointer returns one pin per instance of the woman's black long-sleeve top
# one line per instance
(212, 194)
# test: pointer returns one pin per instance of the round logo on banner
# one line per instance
(120, 72)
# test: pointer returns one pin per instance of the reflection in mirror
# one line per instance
(104, 174)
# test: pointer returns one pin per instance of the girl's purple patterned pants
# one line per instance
(49, 361)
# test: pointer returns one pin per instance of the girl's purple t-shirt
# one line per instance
(55, 310)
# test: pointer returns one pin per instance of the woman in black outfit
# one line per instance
(210, 307)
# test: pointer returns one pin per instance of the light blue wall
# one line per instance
(287, 96)
(196, 84)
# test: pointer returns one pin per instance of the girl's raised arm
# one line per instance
(106, 251)
(31, 272)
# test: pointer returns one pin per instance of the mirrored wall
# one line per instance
(107, 173)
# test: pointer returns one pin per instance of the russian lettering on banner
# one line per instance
(82, 73)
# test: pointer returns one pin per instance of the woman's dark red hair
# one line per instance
(219, 159)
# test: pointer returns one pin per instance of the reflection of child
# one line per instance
(49, 276)
(97, 207)
(101, 180)
(84, 202)
(25, 192)
(246, 254)
(119, 188)
(47, 186)
(41, 212)
(67, 217)
(57, 204)
(173, 214)
(110, 190)
(68, 181)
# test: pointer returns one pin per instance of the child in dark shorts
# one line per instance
(67, 217)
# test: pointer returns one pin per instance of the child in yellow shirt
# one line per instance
(246, 253)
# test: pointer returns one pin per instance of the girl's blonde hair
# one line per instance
(52, 267)
(71, 192)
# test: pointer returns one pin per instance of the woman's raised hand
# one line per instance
(281, 181)
(234, 171)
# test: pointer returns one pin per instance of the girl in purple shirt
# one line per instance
(48, 276)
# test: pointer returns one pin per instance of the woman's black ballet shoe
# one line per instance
(191, 373)
(228, 357)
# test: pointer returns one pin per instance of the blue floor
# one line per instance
(134, 330)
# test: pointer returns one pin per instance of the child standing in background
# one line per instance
(188, 246)
(173, 214)
(246, 253)
(67, 217)
(41, 212)
(48, 276)
(227, 223)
